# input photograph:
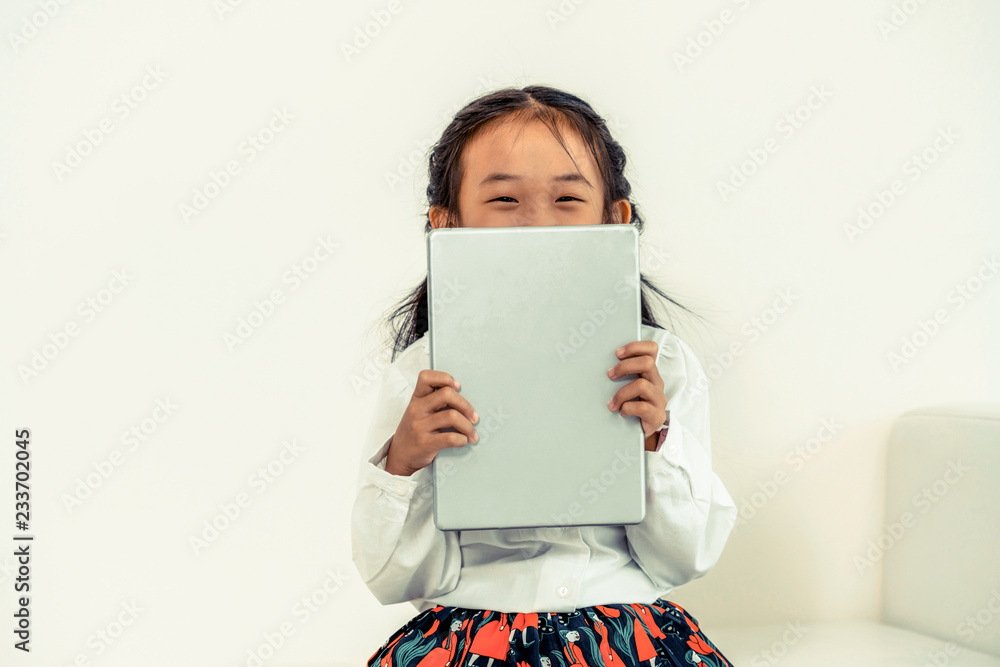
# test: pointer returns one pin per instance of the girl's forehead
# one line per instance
(527, 142)
(505, 134)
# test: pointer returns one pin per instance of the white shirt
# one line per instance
(402, 556)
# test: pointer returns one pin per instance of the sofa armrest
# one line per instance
(941, 543)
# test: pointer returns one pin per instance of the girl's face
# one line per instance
(519, 175)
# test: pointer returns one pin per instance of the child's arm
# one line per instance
(689, 513)
(399, 552)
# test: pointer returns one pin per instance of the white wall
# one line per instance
(353, 121)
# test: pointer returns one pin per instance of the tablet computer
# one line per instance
(528, 320)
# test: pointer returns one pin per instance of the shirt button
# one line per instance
(400, 487)
(563, 591)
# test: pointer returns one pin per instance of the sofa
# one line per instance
(940, 570)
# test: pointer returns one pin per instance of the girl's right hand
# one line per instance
(435, 405)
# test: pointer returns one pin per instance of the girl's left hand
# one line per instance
(649, 403)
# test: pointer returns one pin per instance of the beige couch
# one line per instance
(940, 587)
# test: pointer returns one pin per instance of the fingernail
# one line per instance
(611, 371)
(619, 351)
(475, 417)
(611, 404)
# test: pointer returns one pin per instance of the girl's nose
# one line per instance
(533, 215)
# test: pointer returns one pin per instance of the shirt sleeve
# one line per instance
(398, 550)
(689, 513)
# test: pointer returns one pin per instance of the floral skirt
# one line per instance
(611, 635)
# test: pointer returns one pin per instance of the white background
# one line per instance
(350, 167)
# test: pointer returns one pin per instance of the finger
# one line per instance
(640, 388)
(453, 420)
(446, 398)
(651, 417)
(446, 439)
(645, 411)
(428, 381)
(637, 348)
(644, 366)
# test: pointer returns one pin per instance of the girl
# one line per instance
(552, 597)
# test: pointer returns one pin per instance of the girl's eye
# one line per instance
(512, 199)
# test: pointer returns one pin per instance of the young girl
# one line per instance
(545, 597)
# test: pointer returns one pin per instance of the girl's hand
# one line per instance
(643, 397)
(434, 407)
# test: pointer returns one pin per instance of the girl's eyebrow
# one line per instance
(500, 177)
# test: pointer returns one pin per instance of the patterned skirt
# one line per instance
(614, 635)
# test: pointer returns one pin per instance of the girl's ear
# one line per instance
(438, 216)
(623, 211)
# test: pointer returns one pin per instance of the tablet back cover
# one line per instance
(528, 319)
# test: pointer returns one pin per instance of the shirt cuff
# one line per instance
(669, 451)
(399, 486)
(661, 435)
